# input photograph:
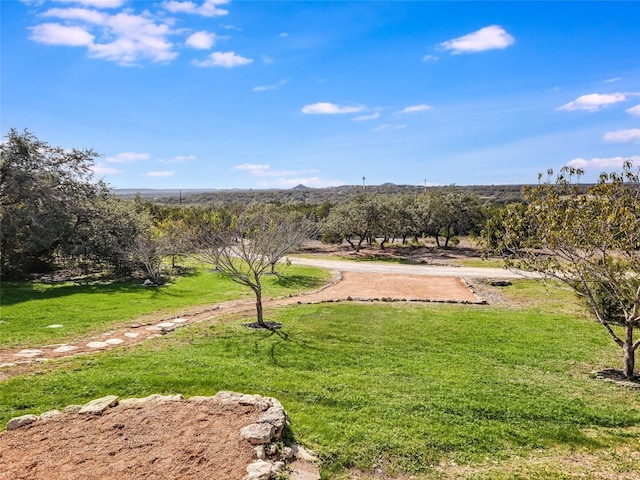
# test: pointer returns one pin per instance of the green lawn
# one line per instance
(406, 387)
(27, 308)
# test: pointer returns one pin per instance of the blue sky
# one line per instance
(262, 94)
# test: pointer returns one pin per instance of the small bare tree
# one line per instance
(250, 244)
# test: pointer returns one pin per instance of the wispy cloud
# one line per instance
(223, 59)
(325, 108)
(612, 80)
(386, 127)
(208, 8)
(634, 111)
(178, 159)
(430, 58)
(273, 86)
(630, 135)
(487, 38)
(415, 109)
(599, 163)
(362, 118)
(593, 102)
(201, 40)
(128, 157)
(96, 3)
(100, 169)
(164, 173)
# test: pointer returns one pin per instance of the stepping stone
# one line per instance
(131, 335)
(166, 325)
(65, 348)
(114, 341)
(179, 320)
(7, 365)
(97, 344)
(28, 353)
(54, 326)
(154, 328)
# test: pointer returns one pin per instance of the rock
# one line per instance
(19, 422)
(302, 453)
(260, 453)
(72, 408)
(96, 407)
(258, 470)
(287, 453)
(114, 341)
(50, 414)
(65, 348)
(278, 467)
(276, 417)
(131, 335)
(97, 344)
(300, 470)
(257, 401)
(29, 352)
(258, 433)
(499, 283)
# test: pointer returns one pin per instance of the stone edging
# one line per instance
(272, 458)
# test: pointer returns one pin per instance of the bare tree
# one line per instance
(248, 245)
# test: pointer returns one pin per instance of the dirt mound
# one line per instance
(199, 438)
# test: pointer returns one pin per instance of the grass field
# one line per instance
(28, 308)
(488, 392)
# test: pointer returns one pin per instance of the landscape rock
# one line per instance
(19, 422)
(72, 408)
(258, 470)
(302, 453)
(50, 414)
(96, 407)
(260, 453)
(132, 402)
(276, 417)
(258, 433)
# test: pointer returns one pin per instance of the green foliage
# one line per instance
(402, 387)
(53, 213)
(587, 240)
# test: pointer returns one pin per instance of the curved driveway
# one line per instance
(394, 268)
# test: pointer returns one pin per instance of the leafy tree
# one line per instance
(247, 245)
(354, 221)
(51, 210)
(588, 240)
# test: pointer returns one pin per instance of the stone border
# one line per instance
(272, 457)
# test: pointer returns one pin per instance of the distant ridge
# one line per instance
(300, 187)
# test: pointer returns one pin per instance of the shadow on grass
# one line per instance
(298, 281)
(12, 293)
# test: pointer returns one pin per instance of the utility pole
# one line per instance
(363, 182)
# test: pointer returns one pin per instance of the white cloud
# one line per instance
(634, 111)
(598, 163)
(123, 37)
(430, 58)
(325, 108)
(386, 127)
(208, 8)
(223, 59)
(96, 3)
(128, 157)
(612, 80)
(56, 34)
(416, 108)
(361, 118)
(102, 170)
(630, 135)
(164, 173)
(273, 86)
(201, 40)
(487, 38)
(593, 102)
(252, 167)
(283, 35)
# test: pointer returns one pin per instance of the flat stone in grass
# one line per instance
(131, 335)
(114, 341)
(29, 353)
(65, 348)
(97, 344)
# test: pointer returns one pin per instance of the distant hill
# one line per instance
(490, 194)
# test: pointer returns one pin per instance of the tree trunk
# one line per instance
(629, 353)
(257, 289)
